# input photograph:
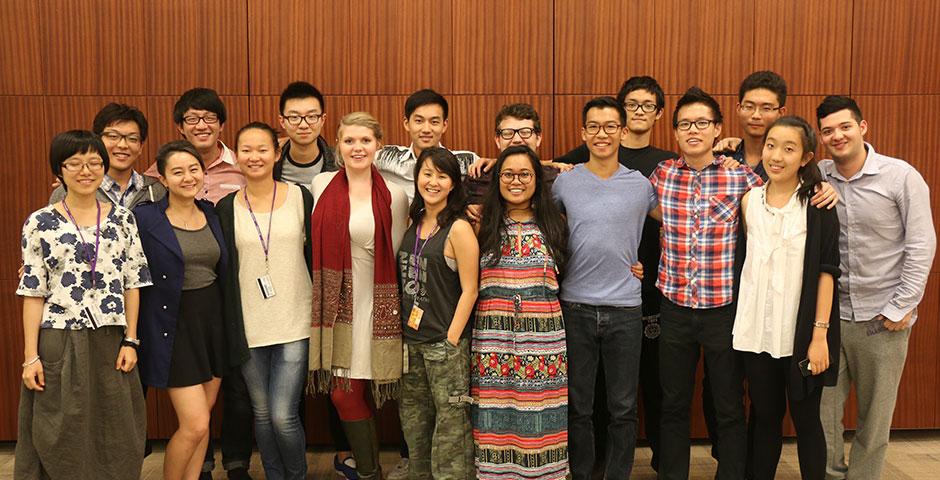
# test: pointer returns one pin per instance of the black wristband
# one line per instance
(125, 343)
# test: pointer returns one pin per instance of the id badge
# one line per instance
(414, 319)
(266, 286)
(90, 315)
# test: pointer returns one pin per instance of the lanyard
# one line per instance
(93, 260)
(416, 254)
(265, 244)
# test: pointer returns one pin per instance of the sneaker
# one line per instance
(238, 473)
(400, 472)
(346, 468)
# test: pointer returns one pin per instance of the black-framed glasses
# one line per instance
(647, 107)
(115, 137)
(210, 119)
(765, 109)
(310, 118)
(524, 178)
(609, 128)
(508, 133)
(700, 124)
(92, 165)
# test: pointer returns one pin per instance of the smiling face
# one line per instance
(602, 145)
(204, 133)
(183, 175)
(696, 143)
(426, 126)
(255, 154)
(843, 135)
(304, 132)
(517, 192)
(783, 153)
(123, 142)
(82, 173)
(512, 123)
(433, 185)
(357, 146)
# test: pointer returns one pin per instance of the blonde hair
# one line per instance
(356, 119)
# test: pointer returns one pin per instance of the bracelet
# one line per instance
(821, 324)
(135, 341)
(128, 343)
(34, 360)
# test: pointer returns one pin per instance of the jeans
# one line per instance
(685, 333)
(275, 376)
(614, 334)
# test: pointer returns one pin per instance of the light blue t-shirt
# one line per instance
(605, 221)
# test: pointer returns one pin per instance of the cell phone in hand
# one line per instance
(804, 368)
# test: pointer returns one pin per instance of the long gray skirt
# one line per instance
(90, 421)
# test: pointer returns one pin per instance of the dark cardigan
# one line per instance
(234, 322)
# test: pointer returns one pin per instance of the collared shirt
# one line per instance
(700, 222)
(222, 176)
(113, 189)
(738, 154)
(397, 165)
(886, 237)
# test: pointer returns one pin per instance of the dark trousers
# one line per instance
(611, 333)
(767, 388)
(685, 333)
(237, 421)
(652, 393)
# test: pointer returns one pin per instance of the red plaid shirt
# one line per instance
(700, 222)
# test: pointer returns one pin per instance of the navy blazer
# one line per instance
(160, 303)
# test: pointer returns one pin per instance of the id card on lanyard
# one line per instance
(265, 284)
(414, 318)
(88, 311)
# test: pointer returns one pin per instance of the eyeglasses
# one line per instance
(765, 109)
(310, 118)
(194, 119)
(634, 106)
(115, 138)
(609, 128)
(699, 124)
(93, 166)
(524, 178)
(508, 133)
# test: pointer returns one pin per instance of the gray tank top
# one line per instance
(200, 256)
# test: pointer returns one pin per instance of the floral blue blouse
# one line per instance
(55, 268)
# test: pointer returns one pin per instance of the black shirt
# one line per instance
(738, 154)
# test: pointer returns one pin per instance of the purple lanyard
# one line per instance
(93, 260)
(265, 244)
(416, 252)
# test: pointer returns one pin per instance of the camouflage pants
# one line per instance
(434, 414)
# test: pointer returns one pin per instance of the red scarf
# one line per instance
(331, 336)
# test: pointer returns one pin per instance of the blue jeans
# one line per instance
(275, 376)
(613, 335)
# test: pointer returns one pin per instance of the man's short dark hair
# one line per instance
(298, 90)
(424, 97)
(604, 102)
(199, 98)
(119, 112)
(767, 80)
(522, 111)
(697, 95)
(71, 142)
(835, 103)
(643, 83)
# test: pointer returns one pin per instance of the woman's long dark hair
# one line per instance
(447, 163)
(809, 174)
(545, 213)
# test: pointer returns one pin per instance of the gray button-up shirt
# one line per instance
(397, 165)
(886, 237)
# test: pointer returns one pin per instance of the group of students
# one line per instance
(486, 295)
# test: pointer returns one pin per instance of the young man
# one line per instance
(762, 99)
(425, 121)
(605, 205)
(123, 129)
(200, 115)
(888, 243)
(700, 201)
(305, 153)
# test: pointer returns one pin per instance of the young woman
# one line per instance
(83, 266)
(267, 296)
(357, 226)
(519, 362)
(783, 329)
(439, 271)
(183, 348)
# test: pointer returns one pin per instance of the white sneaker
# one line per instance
(400, 472)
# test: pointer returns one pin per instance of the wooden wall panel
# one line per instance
(196, 44)
(102, 53)
(600, 43)
(917, 396)
(895, 47)
(789, 34)
(510, 39)
(362, 46)
(21, 52)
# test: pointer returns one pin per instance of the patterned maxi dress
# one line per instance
(519, 363)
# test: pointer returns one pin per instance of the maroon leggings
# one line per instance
(351, 404)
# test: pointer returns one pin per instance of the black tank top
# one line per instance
(432, 284)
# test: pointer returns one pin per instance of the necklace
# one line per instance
(178, 219)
